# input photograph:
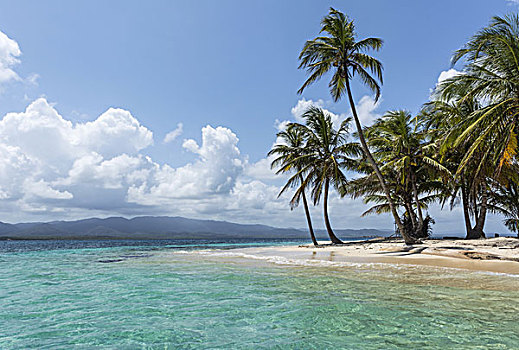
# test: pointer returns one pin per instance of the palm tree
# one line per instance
(446, 121)
(327, 152)
(338, 51)
(491, 75)
(288, 158)
(400, 145)
(488, 135)
(505, 200)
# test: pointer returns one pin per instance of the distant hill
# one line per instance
(160, 227)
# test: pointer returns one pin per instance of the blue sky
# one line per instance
(219, 63)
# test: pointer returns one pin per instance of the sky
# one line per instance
(129, 108)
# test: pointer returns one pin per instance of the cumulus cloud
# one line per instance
(261, 170)
(172, 135)
(447, 74)
(53, 168)
(42, 189)
(366, 108)
(46, 157)
(215, 171)
(9, 53)
(303, 104)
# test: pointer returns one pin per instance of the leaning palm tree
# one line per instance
(288, 158)
(327, 153)
(340, 52)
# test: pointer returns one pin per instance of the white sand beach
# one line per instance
(500, 255)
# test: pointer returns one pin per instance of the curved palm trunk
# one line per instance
(332, 235)
(309, 220)
(407, 238)
(418, 206)
(466, 215)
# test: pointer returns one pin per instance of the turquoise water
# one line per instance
(170, 296)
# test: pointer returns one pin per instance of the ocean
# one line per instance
(200, 295)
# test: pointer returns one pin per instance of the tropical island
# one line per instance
(194, 242)
(460, 149)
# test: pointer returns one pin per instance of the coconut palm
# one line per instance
(327, 153)
(491, 76)
(400, 144)
(288, 158)
(446, 121)
(338, 51)
(505, 200)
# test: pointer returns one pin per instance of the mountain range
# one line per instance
(160, 227)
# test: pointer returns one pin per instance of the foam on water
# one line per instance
(283, 260)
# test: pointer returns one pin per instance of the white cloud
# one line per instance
(32, 79)
(46, 157)
(512, 2)
(172, 135)
(303, 104)
(114, 132)
(447, 74)
(281, 125)
(215, 171)
(366, 108)
(51, 168)
(42, 189)
(261, 170)
(9, 53)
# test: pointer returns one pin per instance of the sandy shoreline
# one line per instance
(499, 255)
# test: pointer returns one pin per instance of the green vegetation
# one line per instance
(460, 148)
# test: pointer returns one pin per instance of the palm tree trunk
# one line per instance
(332, 235)
(466, 215)
(410, 212)
(480, 223)
(407, 239)
(417, 201)
(309, 220)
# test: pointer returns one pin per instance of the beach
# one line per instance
(498, 255)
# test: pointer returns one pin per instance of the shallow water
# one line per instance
(171, 295)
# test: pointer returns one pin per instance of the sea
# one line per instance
(186, 294)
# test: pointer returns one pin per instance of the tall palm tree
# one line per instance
(327, 153)
(288, 158)
(338, 50)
